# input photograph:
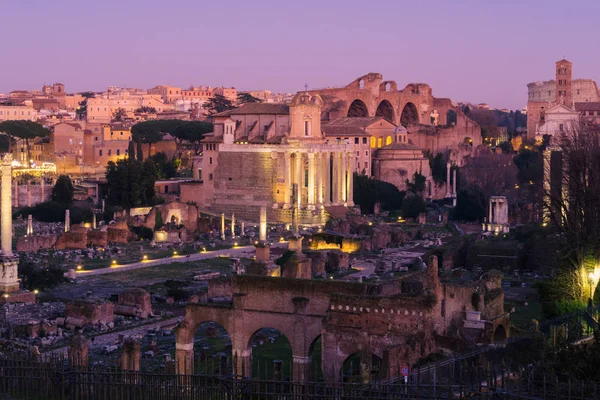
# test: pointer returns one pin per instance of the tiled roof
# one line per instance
(400, 146)
(343, 130)
(362, 122)
(256, 108)
(588, 106)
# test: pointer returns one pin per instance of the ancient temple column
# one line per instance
(350, 194)
(287, 173)
(327, 175)
(28, 193)
(335, 179)
(29, 225)
(299, 176)
(67, 220)
(490, 211)
(233, 225)
(319, 161)
(222, 226)
(16, 202)
(448, 180)
(93, 220)
(6, 205)
(311, 181)
(262, 230)
(454, 183)
(242, 229)
(103, 204)
(344, 176)
(43, 189)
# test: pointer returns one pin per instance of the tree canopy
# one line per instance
(245, 97)
(192, 132)
(62, 192)
(218, 103)
(25, 130)
(131, 183)
(369, 191)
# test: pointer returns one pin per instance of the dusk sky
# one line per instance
(472, 50)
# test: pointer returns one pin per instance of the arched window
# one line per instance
(373, 142)
(388, 140)
(379, 142)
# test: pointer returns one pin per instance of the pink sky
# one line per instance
(470, 50)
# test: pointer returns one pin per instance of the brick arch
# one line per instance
(284, 327)
(409, 114)
(386, 110)
(358, 108)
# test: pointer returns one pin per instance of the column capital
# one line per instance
(310, 156)
(7, 159)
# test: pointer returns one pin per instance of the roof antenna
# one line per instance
(306, 87)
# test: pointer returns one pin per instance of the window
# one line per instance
(356, 140)
(373, 142)
(70, 140)
(306, 128)
(358, 154)
(366, 165)
(306, 178)
(379, 142)
(109, 151)
(210, 177)
(367, 153)
(118, 152)
(95, 138)
(100, 153)
(560, 127)
(388, 140)
(364, 140)
(210, 160)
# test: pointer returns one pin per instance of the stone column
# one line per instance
(242, 229)
(327, 175)
(454, 183)
(67, 220)
(16, 202)
(335, 179)
(242, 364)
(184, 358)
(344, 177)
(262, 230)
(287, 173)
(130, 359)
(319, 161)
(29, 225)
(299, 176)
(301, 369)
(490, 211)
(6, 205)
(448, 179)
(222, 226)
(350, 186)
(93, 220)
(233, 225)
(311, 181)
(43, 189)
(29, 193)
(103, 204)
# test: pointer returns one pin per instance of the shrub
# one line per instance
(40, 277)
(51, 211)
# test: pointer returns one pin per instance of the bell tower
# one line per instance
(564, 81)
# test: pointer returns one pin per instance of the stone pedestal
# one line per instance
(263, 252)
(295, 244)
(9, 281)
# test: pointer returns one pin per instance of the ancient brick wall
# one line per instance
(35, 243)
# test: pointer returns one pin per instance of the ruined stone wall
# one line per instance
(35, 243)
(97, 238)
(90, 312)
(192, 192)
(221, 287)
(185, 214)
(36, 194)
(72, 240)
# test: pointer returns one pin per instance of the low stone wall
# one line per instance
(35, 243)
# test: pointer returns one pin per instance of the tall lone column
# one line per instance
(319, 161)
(448, 179)
(233, 225)
(287, 173)
(262, 230)
(28, 193)
(454, 188)
(94, 221)
(6, 205)
(335, 179)
(311, 181)
(350, 195)
(16, 203)
(299, 173)
(42, 187)
(222, 226)
(327, 173)
(29, 225)
(67, 220)
(242, 229)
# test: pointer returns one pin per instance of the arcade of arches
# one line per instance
(341, 319)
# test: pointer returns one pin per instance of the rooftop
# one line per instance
(256, 108)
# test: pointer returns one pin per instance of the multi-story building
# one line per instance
(229, 93)
(563, 90)
(167, 93)
(22, 112)
(101, 109)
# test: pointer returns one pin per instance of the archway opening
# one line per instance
(385, 110)
(409, 115)
(271, 355)
(499, 335)
(315, 353)
(361, 84)
(434, 117)
(357, 369)
(451, 117)
(387, 87)
(212, 350)
(358, 109)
